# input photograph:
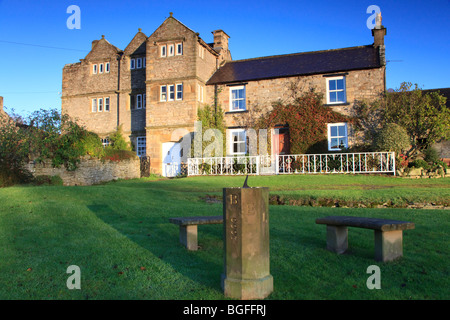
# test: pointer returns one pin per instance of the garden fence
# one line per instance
(365, 162)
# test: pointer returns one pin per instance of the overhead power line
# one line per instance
(30, 92)
(41, 46)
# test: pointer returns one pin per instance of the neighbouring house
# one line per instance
(154, 87)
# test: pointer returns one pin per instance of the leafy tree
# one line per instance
(56, 137)
(14, 146)
(424, 115)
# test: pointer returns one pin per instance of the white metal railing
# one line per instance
(364, 162)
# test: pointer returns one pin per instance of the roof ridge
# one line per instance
(300, 53)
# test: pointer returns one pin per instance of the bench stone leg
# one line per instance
(188, 237)
(388, 245)
(337, 239)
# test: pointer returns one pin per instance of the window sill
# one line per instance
(336, 150)
(236, 111)
(337, 104)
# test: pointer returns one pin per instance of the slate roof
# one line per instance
(297, 64)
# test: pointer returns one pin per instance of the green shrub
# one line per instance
(91, 145)
(419, 163)
(431, 155)
(117, 141)
(392, 137)
(10, 176)
(442, 164)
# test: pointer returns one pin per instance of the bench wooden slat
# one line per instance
(368, 223)
(184, 221)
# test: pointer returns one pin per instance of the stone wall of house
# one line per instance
(191, 69)
(81, 85)
(260, 95)
(89, 171)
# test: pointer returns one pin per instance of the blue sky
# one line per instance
(417, 41)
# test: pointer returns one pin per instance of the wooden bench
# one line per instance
(188, 228)
(388, 234)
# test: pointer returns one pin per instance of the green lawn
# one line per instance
(119, 235)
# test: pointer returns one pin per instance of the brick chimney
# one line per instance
(378, 33)
(1, 103)
(221, 44)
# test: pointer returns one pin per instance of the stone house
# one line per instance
(154, 87)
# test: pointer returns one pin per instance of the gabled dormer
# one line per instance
(101, 56)
(135, 52)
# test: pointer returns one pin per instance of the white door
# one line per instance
(171, 162)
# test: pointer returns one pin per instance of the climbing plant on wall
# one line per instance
(307, 119)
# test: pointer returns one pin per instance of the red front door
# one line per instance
(282, 141)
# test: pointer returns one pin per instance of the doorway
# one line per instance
(171, 159)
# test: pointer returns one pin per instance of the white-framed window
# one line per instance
(100, 68)
(107, 67)
(94, 69)
(163, 50)
(337, 136)
(238, 142)
(144, 62)
(199, 93)
(94, 105)
(171, 50)
(107, 104)
(179, 95)
(179, 49)
(144, 101)
(163, 93)
(100, 104)
(336, 90)
(105, 142)
(139, 101)
(141, 146)
(132, 64)
(139, 63)
(237, 98)
(171, 96)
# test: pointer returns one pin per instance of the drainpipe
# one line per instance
(119, 56)
(215, 93)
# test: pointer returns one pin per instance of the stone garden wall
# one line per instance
(420, 173)
(89, 171)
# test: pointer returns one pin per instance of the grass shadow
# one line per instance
(159, 237)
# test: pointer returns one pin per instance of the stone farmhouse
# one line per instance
(154, 87)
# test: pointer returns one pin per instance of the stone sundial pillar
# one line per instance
(246, 243)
